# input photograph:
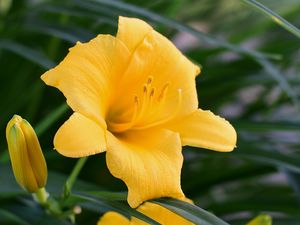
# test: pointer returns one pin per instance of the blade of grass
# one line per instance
(191, 212)
(273, 158)
(294, 180)
(26, 52)
(274, 16)
(50, 119)
(69, 34)
(10, 217)
(264, 126)
(115, 206)
(108, 195)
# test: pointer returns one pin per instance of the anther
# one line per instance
(152, 92)
(166, 119)
(136, 100)
(150, 79)
(163, 91)
(145, 89)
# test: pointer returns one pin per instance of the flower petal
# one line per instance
(172, 78)
(88, 74)
(160, 214)
(132, 31)
(149, 162)
(80, 136)
(206, 130)
(113, 218)
(20, 159)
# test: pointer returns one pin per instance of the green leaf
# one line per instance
(108, 195)
(7, 217)
(42, 127)
(114, 206)
(274, 16)
(294, 180)
(26, 52)
(69, 34)
(9, 186)
(265, 157)
(30, 212)
(191, 212)
(263, 126)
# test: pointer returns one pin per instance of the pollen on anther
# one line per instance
(136, 100)
(150, 79)
(163, 91)
(152, 92)
(145, 88)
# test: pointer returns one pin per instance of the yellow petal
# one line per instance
(157, 68)
(26, 156)
(132, 31)
(19, 159)
(35, 154)
(160, 214)
(113, 218)
(80, 136)
(149, 162)
(261, 220)
(88, 74)
(206, 130)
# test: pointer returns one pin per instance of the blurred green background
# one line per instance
(250, 75)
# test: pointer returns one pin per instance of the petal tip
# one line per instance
(197, 70)
(49, 78)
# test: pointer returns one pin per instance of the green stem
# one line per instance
(73, 176)
(275, 17)
(50, 204)
(41, 196)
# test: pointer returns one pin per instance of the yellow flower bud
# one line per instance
(261, 220)
(28, 162)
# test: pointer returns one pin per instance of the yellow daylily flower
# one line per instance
(261, 220)
(154, 211)
(113, 218)
(27, 159)
(134, 96)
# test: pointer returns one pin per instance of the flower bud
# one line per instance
(261, 220)
(28, 162)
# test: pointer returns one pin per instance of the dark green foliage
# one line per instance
(250, 75)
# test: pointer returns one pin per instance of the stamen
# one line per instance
(152, 92)
(150, 104)
(163, 92)
(120, 127)
(145, 89)
(167, 119)
(136, 100)
(151, 101)
(144, 103)
(150, 79)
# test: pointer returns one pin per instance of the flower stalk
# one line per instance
(73, 176)
(41, 196)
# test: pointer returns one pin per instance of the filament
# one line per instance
(151, 103)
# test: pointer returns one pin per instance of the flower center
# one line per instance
(148, 109)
